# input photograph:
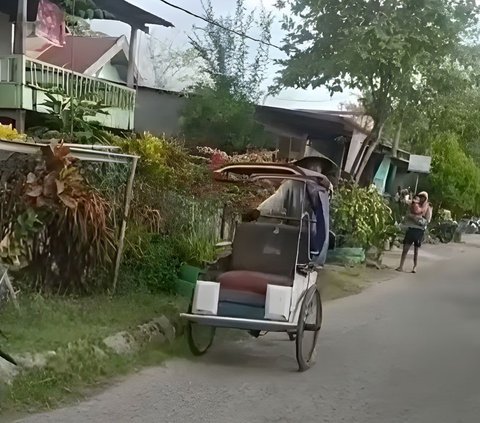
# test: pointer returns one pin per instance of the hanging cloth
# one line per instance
(50, 23)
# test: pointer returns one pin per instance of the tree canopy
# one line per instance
(383, 48)
(455, 179)
(448, 102)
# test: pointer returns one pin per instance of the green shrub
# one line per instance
(164, 162)
(150, 264)
(361, 218)
(455, 178)
(194, 225)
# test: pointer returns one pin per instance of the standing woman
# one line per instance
(417, 219)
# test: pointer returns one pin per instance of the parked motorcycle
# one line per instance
(444, 230)
(469, 226)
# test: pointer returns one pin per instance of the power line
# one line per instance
(241, 34)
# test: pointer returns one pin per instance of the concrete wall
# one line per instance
(5, 35)
(158, 112)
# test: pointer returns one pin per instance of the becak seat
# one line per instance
(263, 254)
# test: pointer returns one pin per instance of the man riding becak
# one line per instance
(417, 219)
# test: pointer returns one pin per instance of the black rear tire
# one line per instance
(309, 323)
(200, 338)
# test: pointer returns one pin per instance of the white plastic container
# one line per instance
(205, 298)
(277, 304)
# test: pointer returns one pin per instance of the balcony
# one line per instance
(24, 82)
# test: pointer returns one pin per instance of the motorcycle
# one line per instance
(444, 230)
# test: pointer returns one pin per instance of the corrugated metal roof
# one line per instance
(120, 10)
(133, 15)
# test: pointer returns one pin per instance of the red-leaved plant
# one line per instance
(76, 242)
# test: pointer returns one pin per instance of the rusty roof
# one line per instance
(85, 51)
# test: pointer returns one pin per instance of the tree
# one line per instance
(449, 102)
(220, 112)
(380, 47)
(455, 179)
(172, 65)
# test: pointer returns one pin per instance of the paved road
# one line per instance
(405, 351)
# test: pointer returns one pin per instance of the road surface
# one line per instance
(405, 351)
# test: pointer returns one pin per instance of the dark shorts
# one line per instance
(414, 236)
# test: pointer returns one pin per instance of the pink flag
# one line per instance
(50, 23)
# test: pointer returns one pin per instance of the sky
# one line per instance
(291, 98)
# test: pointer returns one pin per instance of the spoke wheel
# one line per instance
(200, 338)
(309, 324)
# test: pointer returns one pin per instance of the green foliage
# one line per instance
(74, 328)
(78, 125)
(164, 162)
(197, 224)
(215, 117)
(361, 218)
(447, 102)
(221, 112)
(455, 178)
(229, 62)
(17, 242)
(171, 198)
(56, 229)
(366, 45)
(150, 265)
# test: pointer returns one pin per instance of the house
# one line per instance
(107, 58)
(338, 136)
(97, 57)
(27, 71)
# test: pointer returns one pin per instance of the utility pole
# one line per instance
(20, 43)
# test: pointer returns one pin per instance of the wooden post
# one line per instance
(132, 58)
(20, 41)
(123, 229)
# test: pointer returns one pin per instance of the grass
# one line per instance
(339, 282)
(46, 324)
(74, 328)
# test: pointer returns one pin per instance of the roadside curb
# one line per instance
(160, 331)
